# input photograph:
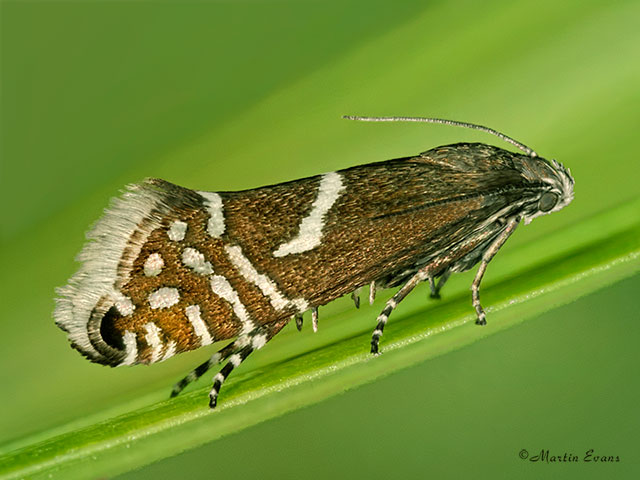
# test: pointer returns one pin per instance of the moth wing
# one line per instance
(343, 230)
(144, 290)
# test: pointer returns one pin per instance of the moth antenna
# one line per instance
(473, 126)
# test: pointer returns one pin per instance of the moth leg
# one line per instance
(393, 303)
(234, 360)
(355, 296)
(432, 287)
(259, 337)
(486, 258)
(435, 289)
(299, 321)
(200, 370)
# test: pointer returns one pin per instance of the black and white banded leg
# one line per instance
(393, 302)
(435, 289)
(486, 258)
(234, 360)
(254, 339)
(372, 292)
(258, 338)
(355, 296)
(215, 359)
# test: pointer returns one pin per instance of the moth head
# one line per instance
(555, 191)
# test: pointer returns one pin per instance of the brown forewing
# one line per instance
(390, 215)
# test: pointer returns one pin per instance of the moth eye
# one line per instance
(547, 201)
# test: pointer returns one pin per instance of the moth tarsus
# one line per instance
(435, 287)
(355, 296)
(169, 269)
(486, 258)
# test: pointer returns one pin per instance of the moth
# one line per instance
(168, 269)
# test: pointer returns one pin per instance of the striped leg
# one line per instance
(234, 360)
(355, 296)
(486, 258)
(393, 303)
(259, 337)
(372, 292)
(435, 289)
(219, 357)
(215, 359)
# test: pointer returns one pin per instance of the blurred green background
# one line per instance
(232, 95)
